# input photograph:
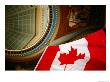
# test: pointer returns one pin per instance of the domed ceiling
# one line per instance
(29, 28)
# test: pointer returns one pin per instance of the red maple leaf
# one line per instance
(71, 57)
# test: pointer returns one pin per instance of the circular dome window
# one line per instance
(28, 28)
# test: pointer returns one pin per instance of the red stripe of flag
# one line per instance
(97, 49)
(47, 58)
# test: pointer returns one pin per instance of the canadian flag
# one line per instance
(88, 53)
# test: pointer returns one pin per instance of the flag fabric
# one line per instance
(88, 53)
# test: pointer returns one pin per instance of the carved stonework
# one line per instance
(78, 16)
